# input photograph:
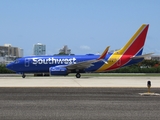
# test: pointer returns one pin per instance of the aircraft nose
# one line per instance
(9, 66)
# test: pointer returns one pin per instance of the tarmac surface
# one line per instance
(84, 81)
(78, 104)
(88, 98)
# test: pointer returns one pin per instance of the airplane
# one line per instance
(130, 53)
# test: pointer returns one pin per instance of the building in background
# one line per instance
(20, 51)
(65, 50)
(39, 49)
(9, 53)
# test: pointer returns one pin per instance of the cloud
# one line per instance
(85, 47)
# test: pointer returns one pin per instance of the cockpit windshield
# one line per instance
(16, 61)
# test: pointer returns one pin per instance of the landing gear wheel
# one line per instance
(23, 75)
(78, 75)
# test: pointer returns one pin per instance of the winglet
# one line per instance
(104, 53)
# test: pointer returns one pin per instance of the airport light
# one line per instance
(149, 86)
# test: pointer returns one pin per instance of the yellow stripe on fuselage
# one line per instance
(111, 61)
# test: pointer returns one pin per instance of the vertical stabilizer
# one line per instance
(135, 45)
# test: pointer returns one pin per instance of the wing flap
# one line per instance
(81, 65)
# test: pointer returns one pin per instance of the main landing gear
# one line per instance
(78, 75)
(23, 75)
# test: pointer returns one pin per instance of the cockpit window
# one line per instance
(16, 61)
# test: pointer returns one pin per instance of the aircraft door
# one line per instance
(119, 62)
(27, 62)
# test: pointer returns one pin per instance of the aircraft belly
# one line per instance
(37, 68)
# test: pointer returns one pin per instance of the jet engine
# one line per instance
(58, 71)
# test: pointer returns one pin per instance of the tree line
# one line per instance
(4, 70)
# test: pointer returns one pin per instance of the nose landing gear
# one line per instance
(23, 75)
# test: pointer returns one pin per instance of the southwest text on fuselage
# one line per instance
(53, 60)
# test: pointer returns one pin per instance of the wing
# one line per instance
(88, 63)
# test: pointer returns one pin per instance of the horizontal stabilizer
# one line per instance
(142, 56)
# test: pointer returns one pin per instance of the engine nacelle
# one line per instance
(58, 71)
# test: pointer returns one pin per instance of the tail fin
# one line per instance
(135, 45)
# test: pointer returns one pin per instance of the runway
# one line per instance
(134, 81)
(78, 103)
(69, 98)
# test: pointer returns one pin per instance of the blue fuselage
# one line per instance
(39, 64)
(36, 64)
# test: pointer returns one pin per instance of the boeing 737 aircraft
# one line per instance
(129, 54)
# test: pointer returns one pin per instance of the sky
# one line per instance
(86, 26)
